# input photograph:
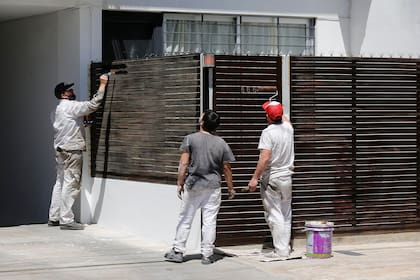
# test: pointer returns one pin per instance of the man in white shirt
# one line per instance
(69, 143)
(275, 169)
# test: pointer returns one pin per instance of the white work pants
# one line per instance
(277, 200)
(67, 186)
(192, 200)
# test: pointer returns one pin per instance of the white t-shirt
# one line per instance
(278, 138)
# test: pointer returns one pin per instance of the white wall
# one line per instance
(36, 53)
(385, 28)
(150, 210)
(29, 71)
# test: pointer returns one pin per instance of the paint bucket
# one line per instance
(318, 239)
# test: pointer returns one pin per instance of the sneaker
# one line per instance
(53, 223)
(174, 256)
(273, 256)
(72, 226)
(207, 260)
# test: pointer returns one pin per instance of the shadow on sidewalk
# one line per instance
(218, 255)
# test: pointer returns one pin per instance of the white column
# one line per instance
(90, 31)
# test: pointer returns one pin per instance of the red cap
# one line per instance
(273, 109)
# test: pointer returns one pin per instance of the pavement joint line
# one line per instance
(78, 266)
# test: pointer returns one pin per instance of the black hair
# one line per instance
(211, 121)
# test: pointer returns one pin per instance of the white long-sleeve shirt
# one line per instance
(68, 122)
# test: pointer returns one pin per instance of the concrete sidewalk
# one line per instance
(41, 252)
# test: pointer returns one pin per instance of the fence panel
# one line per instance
(356, 140)
(146, 113)
(242, 84)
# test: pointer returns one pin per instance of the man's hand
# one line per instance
(252, 185)
(180, 191)
(231, 192)
(103, 79)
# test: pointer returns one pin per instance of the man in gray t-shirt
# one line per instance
(208, 153)
(204, 158)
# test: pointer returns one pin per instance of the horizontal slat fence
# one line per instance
(146, 114)
(356, 123)
(356, 142)
(242, 85)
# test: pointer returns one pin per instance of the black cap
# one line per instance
(60, 88)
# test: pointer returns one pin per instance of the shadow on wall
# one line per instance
(107, 124)
(359, 14)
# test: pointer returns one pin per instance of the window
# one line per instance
(131, 35)
(192, 33)
(218, 34)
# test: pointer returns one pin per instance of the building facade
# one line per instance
(45, 42)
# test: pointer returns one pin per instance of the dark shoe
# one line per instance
(53, 223)
(173, 256)
(207, 260)
(72, 226)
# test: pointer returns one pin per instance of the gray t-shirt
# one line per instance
(207, 155)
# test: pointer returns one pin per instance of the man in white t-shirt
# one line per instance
(275, 169)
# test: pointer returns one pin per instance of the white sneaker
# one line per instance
(273, 256)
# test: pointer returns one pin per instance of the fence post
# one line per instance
(207, 64)
(285, 85)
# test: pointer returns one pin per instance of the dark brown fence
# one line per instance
(356, 135)
(146, 114)
(356, 140)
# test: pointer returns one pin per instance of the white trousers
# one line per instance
(277, 200)
(67, 186)
(192, 200)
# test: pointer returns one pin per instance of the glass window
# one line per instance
(219, 34)
(247, 35)
(259, 36)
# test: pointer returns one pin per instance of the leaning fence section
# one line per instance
(356, 140)
(146, 113)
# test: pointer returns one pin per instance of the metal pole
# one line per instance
(286, 85)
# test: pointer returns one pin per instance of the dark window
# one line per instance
(129, 35)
